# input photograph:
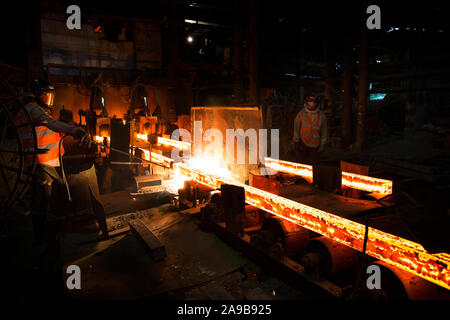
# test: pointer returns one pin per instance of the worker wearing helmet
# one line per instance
(38, 102)
(310, 131)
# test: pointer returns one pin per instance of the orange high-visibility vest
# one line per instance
(310, 129)
(45, 138)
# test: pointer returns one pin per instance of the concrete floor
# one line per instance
(199, 265)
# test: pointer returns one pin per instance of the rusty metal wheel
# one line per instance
(15, 178)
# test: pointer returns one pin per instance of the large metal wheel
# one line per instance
(15, 178)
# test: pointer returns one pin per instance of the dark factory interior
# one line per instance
(225, 150)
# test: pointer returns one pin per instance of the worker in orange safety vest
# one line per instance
(38, 103)
(310, 131)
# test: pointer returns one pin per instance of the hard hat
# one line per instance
(43, 91)
(312, 97)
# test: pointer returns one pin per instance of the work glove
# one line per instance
(83, 136)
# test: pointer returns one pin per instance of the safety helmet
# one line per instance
(43, 92)
(312, 97)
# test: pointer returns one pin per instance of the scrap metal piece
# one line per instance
(151, 242)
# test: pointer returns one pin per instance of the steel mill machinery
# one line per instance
(327, 238)
(284, 219)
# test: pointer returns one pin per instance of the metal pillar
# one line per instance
(363, 89)
(34, 42)
(238, 59)
(254, 85)
(348, 91)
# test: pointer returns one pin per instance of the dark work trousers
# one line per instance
(40, 202)
(49, 276)
(305, 154)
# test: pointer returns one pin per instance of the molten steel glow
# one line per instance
(178, 178)
(297, 169)
(99, 139)
(209, 166)
(158, 158)
(181, 145)
(365, 183)
(142, 136)
(404, 254)
(351, 180)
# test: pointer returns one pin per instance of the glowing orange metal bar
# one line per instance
(365, 183)
(142, 136)
(99, 139)
(351, 180)
(402, 253)
(167, 142)
(297, 169)
(174, 143)
(157, 158)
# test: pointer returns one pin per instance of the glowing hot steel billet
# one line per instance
(365, 183)
(297, 169)
(158, 159)
(181, 145)
(402, 253)
(99, 139)
(351, 180)
(174, 143)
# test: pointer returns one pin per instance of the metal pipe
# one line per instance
(253, 48)
(348, 93)
(164, 164)
(362, 88)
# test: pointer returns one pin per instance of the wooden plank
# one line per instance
(156, 250)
